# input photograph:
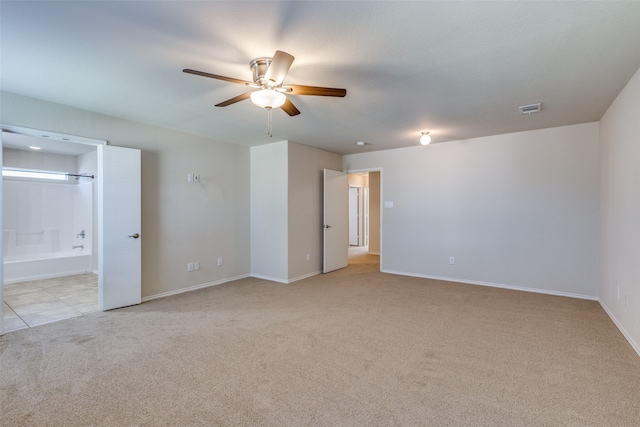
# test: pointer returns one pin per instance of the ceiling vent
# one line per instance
(531, 108)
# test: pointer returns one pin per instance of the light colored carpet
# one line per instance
(351, 348)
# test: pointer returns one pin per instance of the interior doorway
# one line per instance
(117, 240)
(355, 219)
(49, 230)
(364, 216)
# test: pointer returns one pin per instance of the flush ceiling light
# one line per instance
(361, 143)
(268, 98)
(425, 139)
(35, 148)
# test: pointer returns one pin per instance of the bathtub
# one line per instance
(45, 266)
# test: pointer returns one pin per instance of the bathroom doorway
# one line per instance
(116, 241)
(49, 230)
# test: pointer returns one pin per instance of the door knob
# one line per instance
(135, 236)
(327, 226)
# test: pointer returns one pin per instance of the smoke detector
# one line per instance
(531, 108)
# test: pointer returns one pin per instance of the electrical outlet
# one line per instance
(308, 257)
(190, 266)
(220, 262)
(196, 265)
(452, 260)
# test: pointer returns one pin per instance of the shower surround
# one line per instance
(47, 229)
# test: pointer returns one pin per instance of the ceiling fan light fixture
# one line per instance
(268, 98)
(425, 139)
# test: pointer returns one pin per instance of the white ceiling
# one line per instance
(457, 69)
(45, 144)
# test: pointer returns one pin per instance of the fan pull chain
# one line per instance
(269, 122)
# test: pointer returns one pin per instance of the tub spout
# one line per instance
(78, 246)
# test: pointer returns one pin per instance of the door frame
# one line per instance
(358, 214)
(39, 134)
(365, 217)
(380, 170)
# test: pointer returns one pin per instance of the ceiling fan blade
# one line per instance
(316, 91)
(234, 100)
(289, 108)
(280, 64)
(215, 76)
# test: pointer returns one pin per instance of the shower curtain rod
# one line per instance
(42, 172)
(82, 175)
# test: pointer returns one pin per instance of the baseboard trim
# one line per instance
(621, 328)
(285, 281)
(271, 279)
(45, 276)
(295, 279)
(193, 288)
(495, 285)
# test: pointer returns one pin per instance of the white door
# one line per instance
(119, 228)
(365, 210)
(354, 216)
(336, 221)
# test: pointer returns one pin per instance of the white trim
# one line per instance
(304, 276)
(286, 281)
(618, 324)
(52, 135)
(271, 279)
(496, 285)
(45, 276)
(365, 170)
(193, 288)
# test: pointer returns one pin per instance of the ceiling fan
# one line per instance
(268, 78)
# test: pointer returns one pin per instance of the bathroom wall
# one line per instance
(88, 164)
(43, 217)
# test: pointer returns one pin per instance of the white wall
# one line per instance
(33, 206)
(181, 221)
(269, 211)
(88, 165)
(40, 161)
(517, 210)
(305, 201)
(620, 211)
(374, 212)
(286, 209)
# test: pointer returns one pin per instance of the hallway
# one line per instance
(360, 255)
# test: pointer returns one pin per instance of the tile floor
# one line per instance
(38, 302)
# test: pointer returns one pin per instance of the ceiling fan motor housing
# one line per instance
(259, 68)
